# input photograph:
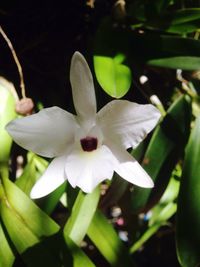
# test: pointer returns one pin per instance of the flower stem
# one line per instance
(22, 85)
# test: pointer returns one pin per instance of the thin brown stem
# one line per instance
(22, 85)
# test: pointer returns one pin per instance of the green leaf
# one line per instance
(27, 225)
(113, 76)
(184, 28)
(8, 99)
(163, 152)
(182, 62)
(49, 202)
(146, 236)
(168, 27)
(161, 47)
(81, 215)
(6, 255)
(30, 213)
(79, 258)
(184, 21)
(160, 213)
(185, 15)
(29, 176)
(173, 21)
(107, 241)
(34, 234)
(188, 214)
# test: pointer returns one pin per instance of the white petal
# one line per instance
(52, 178)
(129, 169)
(127, 122)
(87, 169)
(82, 88)
(134, 173)
(47, 133)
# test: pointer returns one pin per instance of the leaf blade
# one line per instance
(113, 76)
(82, 213)
(188, 214)
(107, 241)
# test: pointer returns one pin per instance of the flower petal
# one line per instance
(47, 133)
(127, 122)
(134, 173)
(52, 178)
(82, 88)
(87, 169)
(128, 168)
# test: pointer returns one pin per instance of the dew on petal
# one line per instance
(89, 143)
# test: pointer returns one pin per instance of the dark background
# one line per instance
(45, 36)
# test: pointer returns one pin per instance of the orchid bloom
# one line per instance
(88, 147)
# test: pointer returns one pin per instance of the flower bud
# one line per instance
(24, 106)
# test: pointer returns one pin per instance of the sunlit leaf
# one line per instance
(79, 258)
(29, 176)
(81, 215)
(6, 255)
(162, 211)
(25, 238)
(188, 214)
(49, 202)
(8, 99)
(34, 234)
(113, 76)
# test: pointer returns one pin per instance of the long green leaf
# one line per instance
(188, 214)
(181, 62)
(184, 28)
(29, 176)
(107, 241)
(79, 258)
(178, 21)
(6, 255)
(38, 221)
(162, 47)
(34, 234)
(160, 213)
(26, 226)
(81, 215)
(185, 15)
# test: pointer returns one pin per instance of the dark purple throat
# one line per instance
(89, 143)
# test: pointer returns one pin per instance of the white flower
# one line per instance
(89, 147)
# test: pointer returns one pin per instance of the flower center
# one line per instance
(89, 143)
